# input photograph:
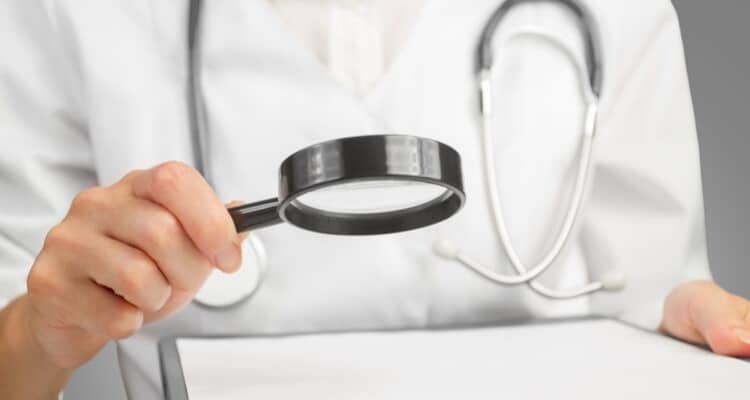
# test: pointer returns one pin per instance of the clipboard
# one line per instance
(584, 359)
(172, 377)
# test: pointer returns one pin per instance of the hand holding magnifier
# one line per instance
(362, 185)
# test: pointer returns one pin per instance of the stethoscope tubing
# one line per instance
(591, 80)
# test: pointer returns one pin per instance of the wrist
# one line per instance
(28, 368)
(26, 337)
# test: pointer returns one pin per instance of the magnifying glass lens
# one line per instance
(371, 196)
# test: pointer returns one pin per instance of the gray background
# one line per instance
(717, 40)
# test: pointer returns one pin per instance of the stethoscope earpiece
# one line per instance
(446, 249)
(614, 281)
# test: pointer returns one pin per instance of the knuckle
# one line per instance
(123, 322)
(192, 280)
(169, 176)
(130, 176)
(89, 199)
(745, 311)
(185, 284)
(134, 276)
(60, 237)
(161, 229)
(202, 235)
(40, 281)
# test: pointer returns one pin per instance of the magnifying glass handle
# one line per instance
(255, 215)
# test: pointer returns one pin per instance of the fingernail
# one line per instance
(229, 258)
(743, 334)
(165, 297)
(138, 320)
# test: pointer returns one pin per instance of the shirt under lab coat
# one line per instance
(91, 90)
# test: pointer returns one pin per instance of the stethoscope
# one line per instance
(591, 88)
(591, 84)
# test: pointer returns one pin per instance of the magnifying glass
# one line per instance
(363, 185)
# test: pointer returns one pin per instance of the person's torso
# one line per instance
(268, 95)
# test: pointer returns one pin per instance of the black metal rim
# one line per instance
(354, 159)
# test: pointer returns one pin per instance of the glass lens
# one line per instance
(371, 196)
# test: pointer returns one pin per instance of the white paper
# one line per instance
(595, 359)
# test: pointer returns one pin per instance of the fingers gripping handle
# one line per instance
(255, 215)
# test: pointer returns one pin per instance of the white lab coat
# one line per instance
(91, 90)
